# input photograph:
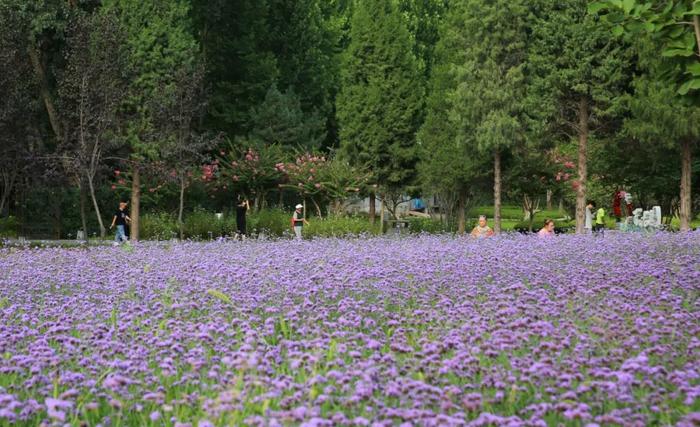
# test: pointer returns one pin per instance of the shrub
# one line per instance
(428, 225)
(9, 227)
(200, 222)
(158, 226)
(338, 226)
(272, 222)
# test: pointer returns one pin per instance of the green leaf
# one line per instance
(693, 84)
(220, 295)
(596, 7)
(628, 5)
(618, 30)
(693, 69)
(669, 53)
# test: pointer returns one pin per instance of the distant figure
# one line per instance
(241, 210)
(599, 221)
(482, 230)
(418, 205)
(121, 219)
(298, 221)
(588, 224)
(547, 230)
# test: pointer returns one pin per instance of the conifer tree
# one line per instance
(380, 97)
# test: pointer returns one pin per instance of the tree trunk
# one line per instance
(7, 185)
(497, 191)
(180, 224)
(685, 213)
(83, 214)
(561, 205)
(549, 200)
(46, 96)
(91, 186)
(318, 208)
(135, 204)
(582, 165)
(461, 212)
(372, 207)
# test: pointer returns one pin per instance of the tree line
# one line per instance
(324, 99)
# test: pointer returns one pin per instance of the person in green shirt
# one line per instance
(599, 220)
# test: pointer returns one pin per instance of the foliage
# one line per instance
(249, 168)
(674, 25)
(279, 120)
(380, 97)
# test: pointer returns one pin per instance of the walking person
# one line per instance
(242, 208)
(121, 219)
(298, 221)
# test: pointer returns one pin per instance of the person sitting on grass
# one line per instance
(547, 230)
(482, 230)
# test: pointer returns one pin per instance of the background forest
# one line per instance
(182, 105)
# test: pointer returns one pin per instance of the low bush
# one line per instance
(428, 225)
(9, 227)
(338, 226)
(158, 226)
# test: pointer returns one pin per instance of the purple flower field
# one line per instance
(428, 330)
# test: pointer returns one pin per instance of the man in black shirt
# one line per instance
(121, 219)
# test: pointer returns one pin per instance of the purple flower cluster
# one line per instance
(425, 330)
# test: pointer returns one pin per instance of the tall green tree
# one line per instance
(663, 119)
(235, 42)
(447, 167)
(577, 75)
(161, 42)
(674, 26)
(487, 102)
(280, 120)
(380, 98)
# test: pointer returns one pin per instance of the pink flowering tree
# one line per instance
(249, 169)
(323, 180)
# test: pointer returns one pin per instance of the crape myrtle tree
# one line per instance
(161, 42)
(674, 28)
(577, 74)
(380, 98)
(487, 101)
(92, 89)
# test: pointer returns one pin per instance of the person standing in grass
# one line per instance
(121, 219)
(599, 221)
(547, 230)
(482, 230)
(242, 208)
(588, 224)
(298, 221)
